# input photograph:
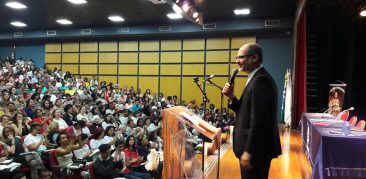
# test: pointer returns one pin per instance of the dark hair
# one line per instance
(58, 139)
(83, 136)
(127, 144)
(36, 111)
(11, 130)
(107, 130)
(67, 107)
(80, 123)
(119, 142)
(49, 102)
(34, 125)
(27, 103)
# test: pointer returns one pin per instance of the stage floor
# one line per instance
(292, 164)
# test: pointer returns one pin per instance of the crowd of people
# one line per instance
(43, 109)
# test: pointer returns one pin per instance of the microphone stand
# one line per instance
(219, 149)
(220, 88)
(205, 100)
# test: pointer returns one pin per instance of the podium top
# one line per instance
(194, 121)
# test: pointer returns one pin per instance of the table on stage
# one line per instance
(332, 154)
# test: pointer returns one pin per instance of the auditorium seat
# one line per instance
(343, 116)
(353, 121)
(91, 170)
(361, 125)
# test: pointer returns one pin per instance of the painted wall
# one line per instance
(277, 57)
(35, 52)
(277, 53)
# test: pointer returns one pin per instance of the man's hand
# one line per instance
(228, 91)
(245, 160)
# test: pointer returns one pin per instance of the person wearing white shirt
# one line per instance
(84, 152)
(57, 118)
(34, 141)
(110, 136)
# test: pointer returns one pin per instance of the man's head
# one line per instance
(35, 128)
(249, 57)
(105, 151)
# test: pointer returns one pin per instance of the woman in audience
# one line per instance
(29, 108)
(10, 109)
(69, 117)
(97, 138)
(20, 124)
(57, 117)
(58, 105)
(47, 107)
(84, 153)
(120, 160)
(6, 173)
(40, 119)
(4, 121)
(132, 156)
(15, 148)
(20, 102)
(109, 121)
(109, 136)
(53, 132)
(13, 94)
(84, 117)
(5, 98)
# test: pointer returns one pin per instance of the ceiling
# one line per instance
(42, 14)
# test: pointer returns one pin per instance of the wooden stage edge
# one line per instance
(292, 164)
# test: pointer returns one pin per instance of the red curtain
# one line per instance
(300, 70)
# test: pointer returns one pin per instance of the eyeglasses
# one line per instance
(243, 56)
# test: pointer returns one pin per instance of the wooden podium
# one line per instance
(178, 162)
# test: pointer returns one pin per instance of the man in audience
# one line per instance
(104, 165)
(35, 141)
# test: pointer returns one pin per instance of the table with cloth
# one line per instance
(331, 153)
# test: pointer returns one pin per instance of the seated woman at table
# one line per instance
(132, 156)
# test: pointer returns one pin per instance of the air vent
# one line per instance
(18, 34)
(86, 31)
(123, 29)
(51, 32)
(157, 1)
(165, 28)
(272, 23)
(209, 26)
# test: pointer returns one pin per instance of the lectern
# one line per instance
(179, 155)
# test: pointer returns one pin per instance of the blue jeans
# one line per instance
(137, 175)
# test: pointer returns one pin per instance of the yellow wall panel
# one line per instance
(170, 86)
(108, 79)
(128, 57)
(128, 46)
(239, 85)
(53, 58)
(127, 69)
(88, 69)
(171, 45)
(149, 69)
(53, 47)
(70, 47)
(52, 66)
(127, 81)
(107, 57)
(234, 53)
(217, 56)
(190, 91)
(108, 69)
(218, 43)
(149, 57)
(107, 46)
(169, 69)
(70, 58)
(193, 69)
(88, 58)
(73, 69)
(193, 44)
(193, 57)
(170, 57)
(217, 69)
(237, 42)
(88, 46)
(214, 93)
(149, 45)
(146, 82)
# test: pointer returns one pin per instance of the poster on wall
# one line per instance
(336, 96)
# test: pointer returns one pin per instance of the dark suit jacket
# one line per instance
(256, 128)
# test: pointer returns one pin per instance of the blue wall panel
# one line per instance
(35, 52)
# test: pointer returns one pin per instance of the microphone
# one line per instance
(232, 77)
(209, 78)
(342, 112)
(195, 79)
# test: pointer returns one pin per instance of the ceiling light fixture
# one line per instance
(15, 5)
(63, 21)
(174, 16)
(18, 24)
(242, 11)
(77, 1)
(116, 18)
(363, 13)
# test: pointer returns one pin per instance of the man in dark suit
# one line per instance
(255, 140)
